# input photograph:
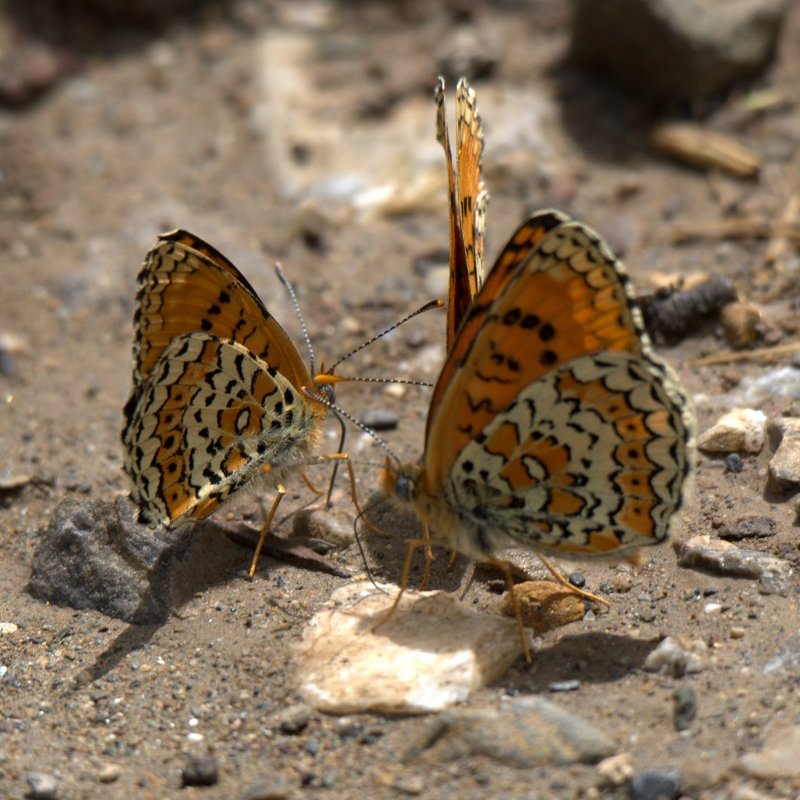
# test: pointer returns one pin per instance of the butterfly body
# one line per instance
(216, 404)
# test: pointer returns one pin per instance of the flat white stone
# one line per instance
(431, 653)
(740, 430)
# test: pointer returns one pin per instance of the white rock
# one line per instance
(431, 653)
(743, 429)
(784, 466)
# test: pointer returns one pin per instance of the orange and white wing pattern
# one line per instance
(216, 400)
(467, 199)
(553, 426)
(212, 418)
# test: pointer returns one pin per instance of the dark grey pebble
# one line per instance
(734, 463)
(93, 555)
(43, 786)
(200, 771)
(685, 706)
(577, 579)
(749, 528)
(655, 784)
(380, 419)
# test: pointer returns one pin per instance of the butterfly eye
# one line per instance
(326, 390)
(404, 487)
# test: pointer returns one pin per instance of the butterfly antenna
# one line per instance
(350, 418)
(421, 310)
(299, 314)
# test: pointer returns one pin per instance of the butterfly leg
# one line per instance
(310, 485)
(281, 491)
(426, 570)
(505, 568)
(567, 585)
(411, 548)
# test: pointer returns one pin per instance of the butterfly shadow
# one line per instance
(180, 565)
(386, 554)
(593, 657)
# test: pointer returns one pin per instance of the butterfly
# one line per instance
(552, 426)
(217, 404)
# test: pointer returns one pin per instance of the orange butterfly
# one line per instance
(553, 425)
(217, 401)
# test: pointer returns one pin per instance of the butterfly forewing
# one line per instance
(186, 285)
(521, 244)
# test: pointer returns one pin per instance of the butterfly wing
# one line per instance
(549, 316)
(467, 200)
(519, 247)
(212, 417)
(186, 285)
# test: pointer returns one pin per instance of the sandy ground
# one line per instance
(305, 134)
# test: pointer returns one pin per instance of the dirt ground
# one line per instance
(305, 133)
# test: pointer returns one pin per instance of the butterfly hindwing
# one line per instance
(212, 417)
(589, 459)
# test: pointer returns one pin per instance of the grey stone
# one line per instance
(774, 575)
(787, 660)
(682, 49)
(93, 555)
(748, 528)
(684, 707)
(43, 786)
(655, 784)
(200, 771)
(523, 732)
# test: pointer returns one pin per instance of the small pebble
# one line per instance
(333, 526)
(380, 419)
(616, 770)
(622, 583)
(736, 633)
(109, 773)
(564, 686)
(292, 719)
(200, 771)
(276, 788)
(43, 786)
(647, 615)
(577, 579)
(712, 608)
(412, 785)
(655, 784)
(734, 463)
(8, 627)
(685, 706)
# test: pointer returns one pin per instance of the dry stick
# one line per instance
(743, 228)
(761, 354)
